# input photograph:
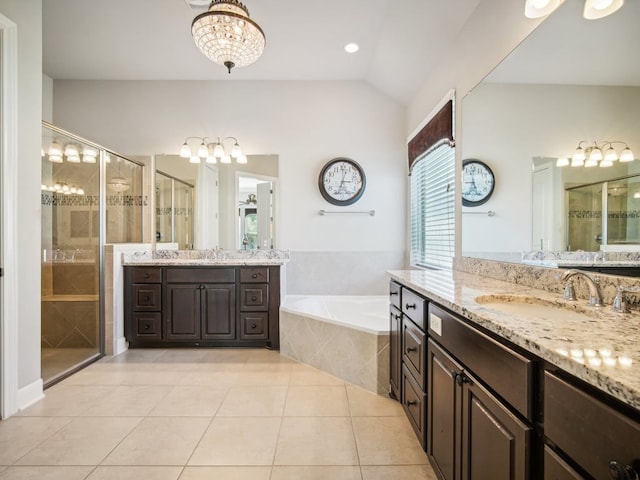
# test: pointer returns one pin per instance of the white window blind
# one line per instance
(432, 208)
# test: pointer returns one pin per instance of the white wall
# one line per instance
(27, 14)
(47, 98)
(549, 121)
(305, 123)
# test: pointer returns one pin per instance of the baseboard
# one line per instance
(30, 394)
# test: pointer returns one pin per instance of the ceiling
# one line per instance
(400, 41)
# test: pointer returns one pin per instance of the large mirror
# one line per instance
(571, 80)
(227, 206)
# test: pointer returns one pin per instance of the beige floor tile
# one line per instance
(316, 441)
(399, 472)
(316, 473)
(99, 377)
(18, 435)
(160, 441)
(236, 378)
(309, 401)
(46, 473)
(67, 400)
(302, 374)
(181, 355)
(129, 400)
(83, 441)
(226, 473)
(254, 402)
(387, 441)
(191, 401)
(135, 473)
(135, 355)
(363, 403)
(238, 441)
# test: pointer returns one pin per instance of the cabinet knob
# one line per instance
(412, 349)
(253, 325)
(255, 275)
(147, 326)
(254, 298)
(461, 378)
(409, 306)
(411, 403)
(146, 299)
(618, 471)
(146, 275)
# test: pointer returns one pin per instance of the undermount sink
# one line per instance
(535, 307)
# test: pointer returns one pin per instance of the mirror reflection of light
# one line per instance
(577, 353)
(605, 352)
(563, 352)
(610, 362)
(625, 361)
(595, 361)
(596, 357)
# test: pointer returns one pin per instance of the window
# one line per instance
(433, 208)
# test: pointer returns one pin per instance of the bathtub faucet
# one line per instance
(595, 300)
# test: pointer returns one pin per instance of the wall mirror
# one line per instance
(572, 79)
(227, 206)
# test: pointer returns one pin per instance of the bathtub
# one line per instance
(345, 336)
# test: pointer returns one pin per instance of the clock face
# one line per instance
(477, 183)
(342, 181)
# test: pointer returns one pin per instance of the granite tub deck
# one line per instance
(602, 349)
(345, 336)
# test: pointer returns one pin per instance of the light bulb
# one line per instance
(596, 154)
(71, 150)
(73, 158)
(595, 9)
(579, 162)
(235, 151)
(203, 152)
(540, 8)
(218, 150)
(73, 189)
(185, 151)
(590, 163)
(354, 47)
(55, 158)
(65, 188)
(54, 148)
(606, 163)
(627, 155)
(225, 159)
(80, 191)
(611, 155)
(561, 162)
(194, 159)
(578, 155)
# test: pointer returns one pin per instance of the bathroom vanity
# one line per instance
(206, 300)
(501, 393)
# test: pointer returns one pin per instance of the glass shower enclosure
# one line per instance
(90, 196)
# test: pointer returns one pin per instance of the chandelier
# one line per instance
(210, 152)
(597, 154)
(226, 35)
(593, 9)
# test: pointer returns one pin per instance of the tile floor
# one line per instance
(224, 414)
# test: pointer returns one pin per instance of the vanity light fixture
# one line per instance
(593, 156)
(227, 36)
(57, 152)
(211, 151)
(593, 9)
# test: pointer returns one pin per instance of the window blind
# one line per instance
(432, 208)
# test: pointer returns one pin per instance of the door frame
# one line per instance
(8, 217)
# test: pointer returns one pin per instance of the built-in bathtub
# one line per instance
(345, 336)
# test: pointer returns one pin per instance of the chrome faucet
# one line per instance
(595, 300)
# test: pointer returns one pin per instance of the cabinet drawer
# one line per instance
(147, 326)
(557, 469)
(414, 404)
(254, 275)
(254, 297)
(413, 350)
(587, 430)
(201, 275)
(414, 307)
(254, 325)
(505, 371)
(146, 275)
(395, 298)
(147, 297)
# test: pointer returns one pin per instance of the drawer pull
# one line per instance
(411, 403)
(146, 299)
(146, 275)
(412, 349)
(461, 378)
(147, 326)
(393, 293)
(253, 299)
(253, 325)
(409, 306)
(618, 471)
(255, 275)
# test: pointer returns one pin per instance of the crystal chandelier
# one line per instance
(212, 151)
(226, 35)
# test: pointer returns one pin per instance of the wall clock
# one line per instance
(478, 182)
(342, 182)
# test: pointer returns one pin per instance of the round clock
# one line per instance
(477, 182)
(342, 181)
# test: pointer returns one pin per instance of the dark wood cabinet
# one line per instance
(208, 306)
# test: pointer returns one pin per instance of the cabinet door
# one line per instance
(443, 405)
(219, 312)
(395, 351)
(182, 313)
(495, 443)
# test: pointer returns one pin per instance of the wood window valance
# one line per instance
(439, 128)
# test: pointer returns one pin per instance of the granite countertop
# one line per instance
(603, 348)
(206, 257)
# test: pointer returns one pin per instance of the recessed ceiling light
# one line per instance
(351, 47)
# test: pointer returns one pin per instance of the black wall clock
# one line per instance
(478, 182)
(342, 182)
